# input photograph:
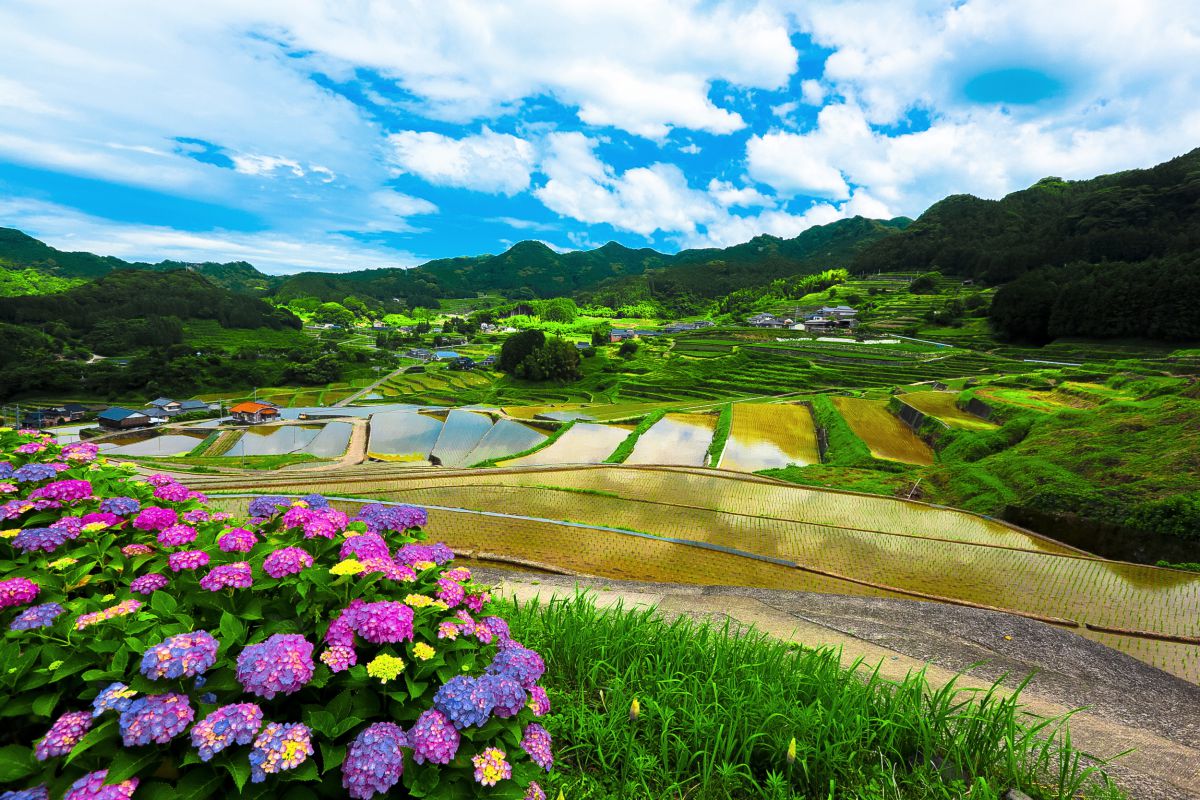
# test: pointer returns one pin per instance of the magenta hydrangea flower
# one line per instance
(491, 766)
(374, 762)
(187, 559)
(228, 725)
(385, 622)
(196, 515)
(81, 452)
(281, 665)
(325, 523)
(183, 655)
(17, 592)
(173, 493)
(148, 584)
(536, 742)
(228, 576)
(115, 697)
(341, 628)
(433, 738)
(287, 561)
(539, 701)
(30, 447)
(105, 518)
(237, 540)
(279, 747)
(159, 479)
(518, 662)
(121, 506)
(475, 602)
(157, 718)
(339, 658)
(64, 734)
(464, 701)
(155, 518)
(137, 550)
(42, 616)
(449, 592)
(176, 535)
(459, 574)
(68, 491)
(92, 787)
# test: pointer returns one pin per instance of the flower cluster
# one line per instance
(316, 522)
(182, 655)
(237, 540)
(385, 622)
(31, 473)
(374, 762)
(67, 491)
(287, 561)
(490, 766)
(278, 748)
(228, 725)
(121, 506)
(148, 584)
(176, 535)
(433, 738)
(228, 576)
(119, 610)
(281, 665)
(268, 505)
(64, 734)
(535, 741)
(465, 701)
(42, 616)
(381, 519)
(155, 518)
(187, 559)
(92, 787)
(157, 718)
(115, 697)
(17, 592)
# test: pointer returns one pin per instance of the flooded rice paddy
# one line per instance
(766, 436)
(403, 435)
(150, 443)
(327, 441)
(461, 433)
(941, 405)
(505, 438)
(584, 443)
(675, 439)
(884, 434)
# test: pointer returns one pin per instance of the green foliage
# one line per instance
(623, 450)
(627, 348)
(718, 710)
(558, 309)
(17, 282)
(925, 283)
(720, 434)
(844, 447)
(532, 356)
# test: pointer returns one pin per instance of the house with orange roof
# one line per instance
(252, 413)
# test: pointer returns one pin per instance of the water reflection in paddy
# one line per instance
(766, 436)
(461, 433)
(505, 438)
(403, 435)
(675, 439)
(584, 443)
(150, 443)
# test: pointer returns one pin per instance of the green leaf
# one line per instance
(332, 756)
(16, 762)
(233, 632)
(44, 705)
(163, 603)
(127, 763)
(239, 770)
(199, 783)
(93, 737)
(303, 773)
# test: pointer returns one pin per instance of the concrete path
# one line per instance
(1126, 704)
(351, 398)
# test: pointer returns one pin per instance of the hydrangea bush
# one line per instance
(155, 646)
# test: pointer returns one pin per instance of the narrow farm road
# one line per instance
(1127, 706)
(351, 398)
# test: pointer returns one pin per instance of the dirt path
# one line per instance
(1127, 705)
(351, 398)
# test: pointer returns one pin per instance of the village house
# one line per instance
(765, 321)
(122, 418)
(163, 407)
(488, 362)
(420, 353)
(462, 363)
(252, 413)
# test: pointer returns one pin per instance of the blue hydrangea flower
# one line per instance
(464, 701)
(374, 762)
(42, 616)
(34, 472)
(506, 695)
(115, 697)
(158, 718)
(121, 506)
(183, 655)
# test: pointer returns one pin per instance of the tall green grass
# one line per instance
(718, 710)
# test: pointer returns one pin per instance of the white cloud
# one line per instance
(644, 66)
(729, 195)
(522, 224)
(812, 92)
(691, 148)
(248, 164)
(272, 252)
(486, 162)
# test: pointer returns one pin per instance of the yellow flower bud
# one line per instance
(635, 710)
(791, 751)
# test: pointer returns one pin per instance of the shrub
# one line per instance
(155, 643)
(627, 348)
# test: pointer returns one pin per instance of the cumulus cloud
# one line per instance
(486, 162)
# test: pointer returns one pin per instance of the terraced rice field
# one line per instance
(326, 440)
(764, 436)
(885, 435)
(941, 405)
(745, 530)
(584, 443)
(460, 434)
(150, 443)
(675, 439)
(505, 438)
(403, 436)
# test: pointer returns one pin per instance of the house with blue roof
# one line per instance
(121, 418)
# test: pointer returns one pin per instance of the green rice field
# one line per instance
(941, 406)
(885, 435)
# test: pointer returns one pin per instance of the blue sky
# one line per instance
(333, 136)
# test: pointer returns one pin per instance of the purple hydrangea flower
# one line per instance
(278, 748)
(507, 696)
(195, 516)
(157, 718)
(315, 501)
(381, 518)
(42, 616)
(17, 592)
(67, 491)
(187, 559)
(228, 725)
(498, 626)
(374, 762)
(121, 506)
(281, 665)
(155, 518)
(182, 655)
(339, 658)
(173, 493)
(6, 470)
(464, 701)
(449, 592)
(287, 561)
(176, 535)
(231, 576)
(385, 622)
(267, 505)
(536, 742)
(534, 792)
(148, 584)
(82, 452)
(45, 539)
(442, 554)
(433, 738)
(115, 697)
(539, 701)
(518, 662)
(237, 540)
(64, 734)
(368, 545)
(159, 479)
(92, 787)
(34, 472)
(414, 553)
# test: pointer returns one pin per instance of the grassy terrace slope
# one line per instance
(700, 526)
